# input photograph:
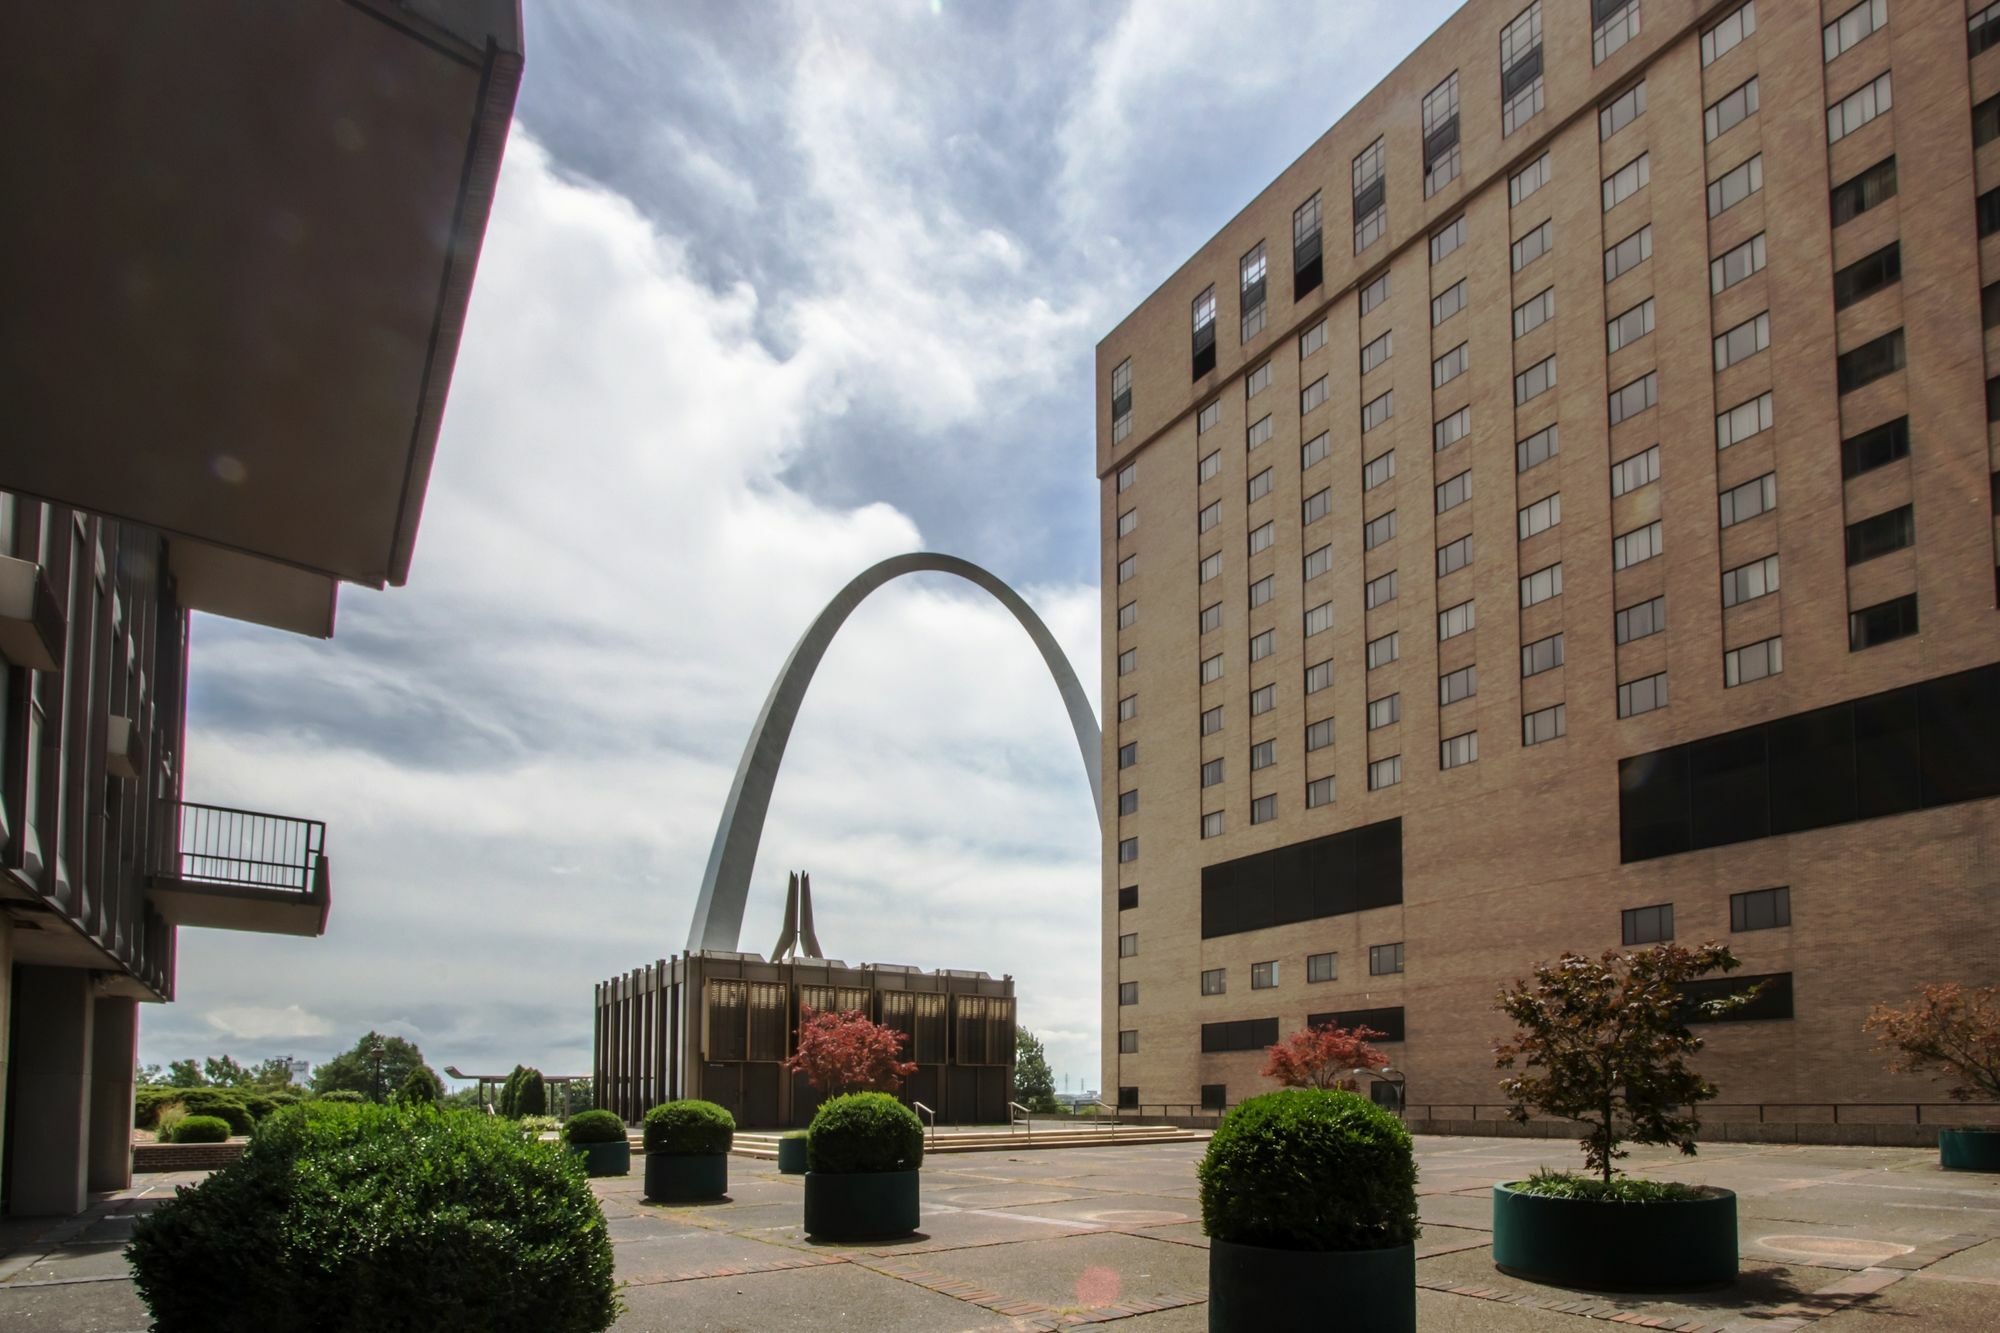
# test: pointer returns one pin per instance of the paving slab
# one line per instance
(1915, 1305)
(102, 1259)
(1458, 1210)
(839, 1296)
(1117, 1210)
(73, 1307)
(693, 1254)
(1982, 1261)
(1077, 1274)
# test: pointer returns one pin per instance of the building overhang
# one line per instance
(234, 306)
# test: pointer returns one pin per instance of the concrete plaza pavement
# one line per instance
(1837, 1239)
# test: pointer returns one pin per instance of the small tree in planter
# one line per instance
(1954, 1031)
(1034, 1082)
(687, 1151)
(863, 1153)
(599, 1138)
(1323, 1057)
(1605, 1041)
(845, 1052)
(1306, 1191)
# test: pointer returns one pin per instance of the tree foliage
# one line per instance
(421, 1087)
(1034, 1082)
(1605, 1041)
(847, 1053)
(1323, 1057)
(375, 1067)
(1949, 1030)
(185, 1074)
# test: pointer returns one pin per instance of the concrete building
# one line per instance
(230, 324)
(1431, 662)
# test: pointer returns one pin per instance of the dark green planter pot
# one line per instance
(792, 1156)
(605, 1159)
(1273, 1291)
(1969, 1149)
(863, 1206)
(671, 1178)
(1615, 1246)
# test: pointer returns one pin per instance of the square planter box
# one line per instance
(792, 1156)
(861, 1206)
(1276, 1291)
(671, 1178)
(605, 1159)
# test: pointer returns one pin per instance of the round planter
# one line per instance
(1623, 1246)
(605, 1159)
(1370, 1291)
(1969, 1149)
(792, 1156)
(671, 1178)
(862, 1206)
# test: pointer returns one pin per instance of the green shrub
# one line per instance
(1549, 1184)
(199, 1129)
(594, 1127)
(1309, 1169)
(863, 1132)
(794, 1134)
(422, 1087)
(343, 1097)
(225, 1103)
(508, 1089)
(531, 1095)
(534, 1126)
(349, 1218)
(689, 1129)
(167, 1117)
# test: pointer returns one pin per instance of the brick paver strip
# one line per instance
(1827, 1300)
(1043, 1316)
(741, 1270)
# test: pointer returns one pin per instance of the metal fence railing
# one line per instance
(213, 844)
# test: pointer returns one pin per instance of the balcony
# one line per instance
(230, 869)
(31, 620)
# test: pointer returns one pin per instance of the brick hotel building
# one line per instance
(1559, 512)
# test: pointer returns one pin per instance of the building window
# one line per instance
(1760, 909)
(1742, 421)
(1211, 722)
(1648, 925)
(1629, 253)
(1882, 623)
(1641, 469)
(1736, 186)
(1741, 503)
(1527, 181)
(1637, 546)
(1384, 711)
(1378, 351)
(1535, 381)
(1378, 410)
(1867, 276)
(1385, 959)
(1263, 699)
(1450, 366)
(1319, 792)
(1753, 661)
(1316, 506)
(1453, 491)
(1128, 523)
(1259, 433)
(1208, 418)
(1633, 398)
(1642, 620)
(1313, 395)
(1457, 751)
(1259, 487)
(1210, 567)
(1126, 476)
(1312, 340)
(1128, 754)
(1314, 450)
(1263, 976)
(1448, 303)
(1853, 25)
(1128, 708)
(1876, 447)
(1642, 695)
(1538, 448)
(1375, 293)
(1982, 30)
(1384, 650)
(1378, 530)
(1851, 198)
(1214, 1096)
(1209, 468)
(1541, 655)
(1322, 967)
(1870, 361)
(1128, 661)
(1371, 210)
(1203, 316)
(1121, 406)
(1736, 265)
(1318, 562)
(1212, 824)
(1620, 111)
(1319, 676)
(1460, 684)
(1306, 256)
(1262, 645)
(1128, 945)
(1454, 556)
(1521, 69)
(1211, 618)
(1545, 724)
(1128, 802)
(1215, 981)
(1879, 534)
(1617, 22)
(1128, 992)
(1319, 619)
(1540, 516)
(1262, 536)
(1319, 735)
(1379, 591)
(1128, 897)
(1128, 1042)
(1534, 312)
(1128, 849)
(1128, 615)
(1211, 772)
(1731, 110)
(1629, 327)
(1541, 585)
(1257, 381)
(1627, 181)
(1211, 669)
(1532, 246)
(1986, 122)
(1210, 515)
(1448, 238)
(1251, 268)
(1452, 429)
(1746, 583)
(1128, 1099)
(1456, 620)
(1263, 809)
(1261, 591)
(1441, 135)
(1725, 36)
(1859, 107)
(1385, 772)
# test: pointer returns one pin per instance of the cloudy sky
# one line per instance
(770, 293)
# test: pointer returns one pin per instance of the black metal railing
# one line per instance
(213, 844)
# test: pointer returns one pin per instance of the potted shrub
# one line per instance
(1604, 1041)
(199, 1129)
(599, 1138)
(687, 1151)
(862, 1157)
(1952, 1031)
(792, 1152)
(1307, 1192)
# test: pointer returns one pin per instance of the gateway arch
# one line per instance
(725, 885)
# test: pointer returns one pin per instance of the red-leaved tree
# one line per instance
(1323, 1057)
(847, 1053)
(1951, 1030)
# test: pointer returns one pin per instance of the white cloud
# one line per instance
(246, 1022)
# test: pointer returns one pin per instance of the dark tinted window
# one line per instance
(1853, 197)
(1959, 735)
(1812, 769)
(1886, 771)
(1986, 122)
(1215, 1096)
(1330, 876)
(1760, 909)
(1870, 361)
(1647, 925)
(1867, 275)
(1128, 897)
(1728, 789)
(1988, 212)
(1388, 1022)
(1244, 1034)
(1773, 1001)
(1884, 622)
(1877, 446)
(1653, 804)
(1879, 534)
(1128, 1098)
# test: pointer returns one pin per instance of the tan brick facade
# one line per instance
(1515, 856)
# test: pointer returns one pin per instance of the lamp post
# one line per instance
(1395, 1078)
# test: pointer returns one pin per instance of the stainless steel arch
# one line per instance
(725, 885)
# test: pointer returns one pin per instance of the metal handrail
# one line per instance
(919, 1106)
(1025, 1119)
(216, 844)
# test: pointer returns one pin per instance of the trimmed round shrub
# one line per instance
(352, 1218)
(343, 1097)
(594, 1127)
(531, 1095)
(422, 1087)
(689, 1129)
(199, 1129)
(1309, 1169)
(864, 1132)
(224, 1103)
